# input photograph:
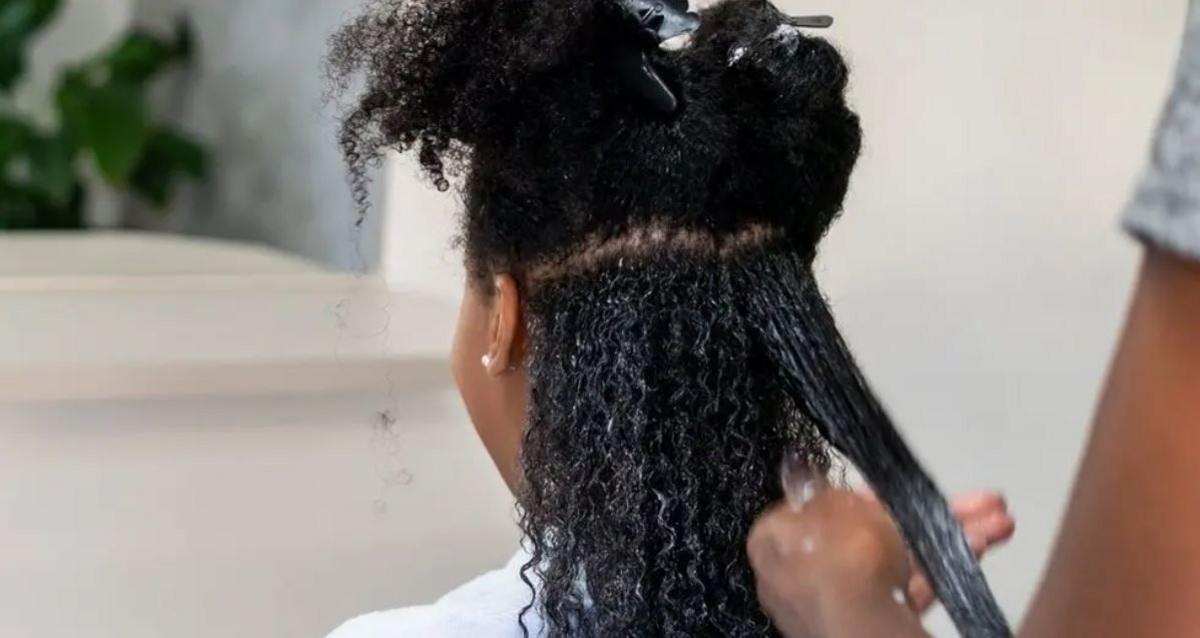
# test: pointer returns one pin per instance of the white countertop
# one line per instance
(125, 315)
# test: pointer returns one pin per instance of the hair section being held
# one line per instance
(795, 325)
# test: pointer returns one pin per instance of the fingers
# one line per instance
(988, 531)
(920, 593)
(983, 515)
(976, 504)
(967, 504)
(987, 525)
(985, 520)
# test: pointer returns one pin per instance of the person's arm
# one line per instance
(1127, 561)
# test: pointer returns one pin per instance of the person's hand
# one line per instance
(985, 520)
(834, 567)
(836, 554)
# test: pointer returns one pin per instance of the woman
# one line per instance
(638, 225)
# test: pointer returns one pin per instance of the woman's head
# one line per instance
(603, 340)
(519, 101)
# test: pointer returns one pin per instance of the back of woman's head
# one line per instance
(519, 99)
(657, 418)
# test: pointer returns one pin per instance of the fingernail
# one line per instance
(800, 483)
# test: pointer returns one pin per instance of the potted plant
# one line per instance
(102, 117)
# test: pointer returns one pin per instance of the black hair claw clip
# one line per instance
(810, 22)
(652, 22)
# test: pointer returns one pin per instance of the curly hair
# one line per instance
(515, 98)
(659, 407)
(652, 444)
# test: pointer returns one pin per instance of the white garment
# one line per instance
(486, 607)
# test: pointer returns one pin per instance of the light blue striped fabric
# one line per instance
(1165, 210)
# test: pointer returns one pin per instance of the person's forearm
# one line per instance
(1128, 556)
(1127, 561)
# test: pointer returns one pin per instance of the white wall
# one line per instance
(417, 247)
(255, 95)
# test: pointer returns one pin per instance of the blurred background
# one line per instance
(224, 407)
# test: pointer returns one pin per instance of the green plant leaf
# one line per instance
(46, 162)
(185, 39)
(169, 157)
(17, 207)
(20, 19)
(72, 99)
(111, 120)
(139, 57)
(12, 65)
(14, 137)
(155, 182)
(52, 168)
(118, 129)
(182, 152)
(24, 208)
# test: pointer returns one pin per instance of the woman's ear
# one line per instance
(506, 349)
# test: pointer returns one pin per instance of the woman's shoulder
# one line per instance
(410, 621)
(489, 606)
